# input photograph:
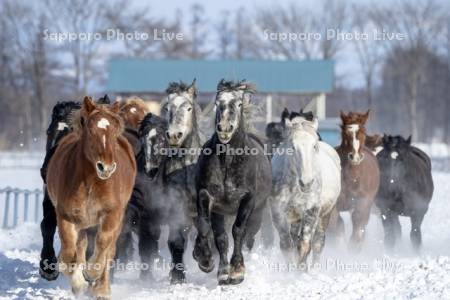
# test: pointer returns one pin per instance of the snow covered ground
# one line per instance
(373, 274)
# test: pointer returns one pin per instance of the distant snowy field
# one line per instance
(373, 274)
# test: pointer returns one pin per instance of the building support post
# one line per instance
(268, 108)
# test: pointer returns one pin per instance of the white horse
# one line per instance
(306, 184)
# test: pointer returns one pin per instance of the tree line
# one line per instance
(405, 82)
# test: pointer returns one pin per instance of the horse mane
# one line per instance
(179, 88)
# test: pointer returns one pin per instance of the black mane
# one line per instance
(180, 87)
(230, 86)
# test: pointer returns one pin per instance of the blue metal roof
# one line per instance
(145, 75)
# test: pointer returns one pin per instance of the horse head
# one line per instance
(180, 112)
(133, 111)
(354, 135)
(151, 134)
(100, 128)
(60, 123)
(232, 105)
(305, 140)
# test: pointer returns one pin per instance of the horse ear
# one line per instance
(343, 115)
(285, 114)
(408, 140)
(219, 85)
(88, 105)
(192, 90)
(365, 116)
(115, 108)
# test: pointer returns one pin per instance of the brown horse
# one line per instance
(90, 179)
(133, 111)
(360, 177)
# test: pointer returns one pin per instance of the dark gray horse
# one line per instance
(229, 184)
(406, 188)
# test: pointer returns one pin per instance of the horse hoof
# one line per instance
(236, 280)
(207, 268)
(177, 277)
(88, 278)
(237, 274)
(48, 275)
(223, 275)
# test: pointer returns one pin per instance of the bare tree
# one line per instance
(225, 35)
(199, 36)
(422, 23)
(368, 50)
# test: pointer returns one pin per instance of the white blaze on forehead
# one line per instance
(353, 129)
(394, 154)
(133, 110)
(178, 100)
(226, 97)
(152, 133)
(62, 126)
(103, 123)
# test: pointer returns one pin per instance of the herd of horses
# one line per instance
(107, 178)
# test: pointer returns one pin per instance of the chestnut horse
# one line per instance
(133, 111)
(90, 179)
(360, 177)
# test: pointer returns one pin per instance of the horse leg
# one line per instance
(360, 218)
(107, 234)
(69, 262)
(267, 234)
(254, 225)
(389, 220)
(48, 262)
(337, 227)
(102, 288)
(416, 233)
(149, 233)
(246, 208)
(319, 237)
(309, 224)
(282, 226)
(202, 251)
(177, 246)
(221, 241)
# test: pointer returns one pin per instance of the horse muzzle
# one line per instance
(105, 171)
(174, 138)
(355, 159)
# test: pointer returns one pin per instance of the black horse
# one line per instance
(229, 184)
(146, 211)
(173, 187)
(276, 131)
(58, 128)
(406, 188)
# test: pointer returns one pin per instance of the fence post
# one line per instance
(36, 206)
(16, 207)
(6, 212)
(26, 206)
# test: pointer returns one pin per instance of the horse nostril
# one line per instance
(351, 156)
(231, 127)
(168, 134)
(179, 135)
(100, 167)
(219, 128)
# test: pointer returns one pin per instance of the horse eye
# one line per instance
(189, 109)
(240, 104)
